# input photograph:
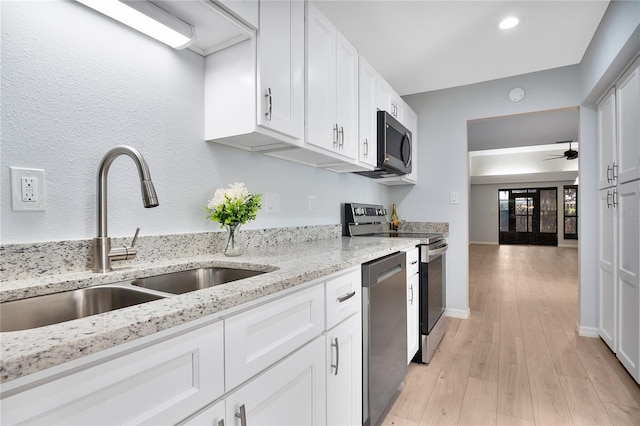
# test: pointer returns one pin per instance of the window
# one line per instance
(571, 212)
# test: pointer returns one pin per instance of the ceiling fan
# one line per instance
(570, 154)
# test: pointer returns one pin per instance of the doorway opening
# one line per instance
(528, 216)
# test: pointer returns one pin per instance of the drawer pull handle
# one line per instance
(347, 297)
(242, 415)
(337, 346)
(411, 300)
(414, 262)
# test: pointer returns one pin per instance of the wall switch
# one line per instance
(27, 190)
(312, 203)
(454, 198)
(272, 202)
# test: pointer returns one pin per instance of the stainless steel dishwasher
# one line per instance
(384, 334)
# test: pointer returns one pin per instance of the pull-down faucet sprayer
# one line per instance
(103, 254)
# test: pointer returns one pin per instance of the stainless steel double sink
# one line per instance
(55, 308)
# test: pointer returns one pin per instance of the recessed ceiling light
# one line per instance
(509, 22)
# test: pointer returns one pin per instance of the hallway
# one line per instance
(518, 359)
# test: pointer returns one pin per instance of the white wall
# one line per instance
(75, 83)
(442, 126)
(483, 211)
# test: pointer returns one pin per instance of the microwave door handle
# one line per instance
(406, 142)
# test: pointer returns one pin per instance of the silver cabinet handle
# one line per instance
(336, 345)
(615, 198)
(414, 262)
(608, 200)
(347, 297)
(609, 177)
(341, 132)
(335, 136)
(411, 300)
(269, 104)
(221, 422)
(615, 172)
(242, 415)
(366, 148)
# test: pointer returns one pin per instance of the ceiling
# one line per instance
(420, 46)
(536, 128)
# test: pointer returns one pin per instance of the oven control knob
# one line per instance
(384, 212)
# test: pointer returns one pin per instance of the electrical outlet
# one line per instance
(312, 203)
(27, 190)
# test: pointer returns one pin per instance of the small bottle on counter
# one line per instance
(394, 219)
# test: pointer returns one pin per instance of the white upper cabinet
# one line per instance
(367, 112)
(628, 124)
(388, 100)
(254, 90)
(607, 152)
(281, 67)
(332, 87)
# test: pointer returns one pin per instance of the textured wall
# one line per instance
(76, 83)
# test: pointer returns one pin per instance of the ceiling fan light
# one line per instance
(508, 22)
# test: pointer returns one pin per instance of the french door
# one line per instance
(528, 216)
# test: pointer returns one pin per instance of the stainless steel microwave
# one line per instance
(394, 148)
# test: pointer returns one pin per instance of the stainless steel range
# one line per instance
(370, 220)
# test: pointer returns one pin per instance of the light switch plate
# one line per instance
(272, 202)
(454, 198)
(27, 190)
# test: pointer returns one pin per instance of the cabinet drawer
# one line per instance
(162, 383)
(258, 338)
(343, 297)
(412, 261)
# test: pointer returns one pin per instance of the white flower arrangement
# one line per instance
(234, 205)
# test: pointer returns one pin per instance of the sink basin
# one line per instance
(60, 307)
(194, 279)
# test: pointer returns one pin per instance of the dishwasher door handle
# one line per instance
(385, 275)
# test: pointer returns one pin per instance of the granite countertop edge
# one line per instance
(30, 351)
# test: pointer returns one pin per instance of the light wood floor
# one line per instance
(518, 359)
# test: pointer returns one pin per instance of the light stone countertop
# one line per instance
(30, 351)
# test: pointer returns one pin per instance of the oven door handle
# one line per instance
(438, 251)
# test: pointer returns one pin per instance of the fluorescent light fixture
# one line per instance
(147, 18)
(509, 22)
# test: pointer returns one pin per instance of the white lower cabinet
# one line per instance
(292, 392)
(607, 297)
(413, 297)
(159, 384)
(344, 372)
(628, 277)
(261, 336)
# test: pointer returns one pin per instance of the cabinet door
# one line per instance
(347, 97)
(413, 316)
(344, 372)
(367, 112)
(607, 152)
(628, 277)
(258, 338)
(213, 415)
(321, 123)
(628, 130)
(158, 384)
(292, 392)
(384, 97)
(281, 65)
(607, 300)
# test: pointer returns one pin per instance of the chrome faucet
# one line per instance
(103, 254)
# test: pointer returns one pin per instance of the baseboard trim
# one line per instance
(490, 243)
(457, 313)
(585, 331)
